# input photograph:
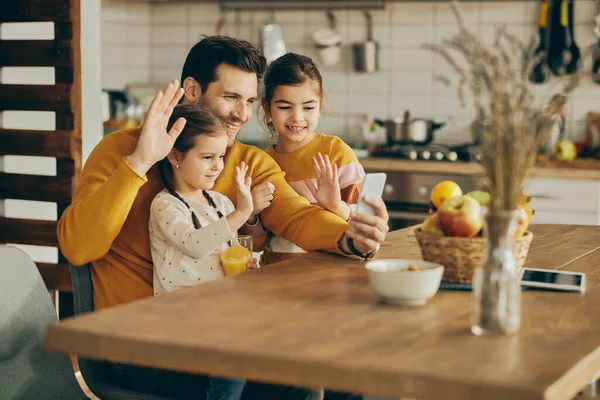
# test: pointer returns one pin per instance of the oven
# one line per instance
(407, 194)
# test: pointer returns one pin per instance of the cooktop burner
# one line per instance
(429, 152)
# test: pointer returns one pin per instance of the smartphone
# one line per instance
(372, 186)
(553, 279)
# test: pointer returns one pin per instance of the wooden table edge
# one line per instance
(60, 338)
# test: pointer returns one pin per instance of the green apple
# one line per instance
(483, 198)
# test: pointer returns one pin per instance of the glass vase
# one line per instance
(496, 286)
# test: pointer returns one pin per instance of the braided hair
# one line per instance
(199, 121)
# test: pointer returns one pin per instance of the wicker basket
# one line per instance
(460, 256)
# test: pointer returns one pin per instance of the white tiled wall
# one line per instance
(407, 76)
(126, 39)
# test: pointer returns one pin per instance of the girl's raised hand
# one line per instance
(327, 192)
(244, 194)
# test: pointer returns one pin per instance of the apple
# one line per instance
(522, 222)
(431, 226)
(524, 200)
(483, 198)
(461, 216)
(564, 150)
(581, 148)
(530, 212)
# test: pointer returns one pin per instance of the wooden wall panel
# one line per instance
(64, 98)
(35, 10)
(56, 189)
(36, 98)
(28, 231)
(35, 143)
(36, 53)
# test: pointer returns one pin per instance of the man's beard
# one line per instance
(231, 141)
(225, 121)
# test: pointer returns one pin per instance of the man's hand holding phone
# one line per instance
(369, 224)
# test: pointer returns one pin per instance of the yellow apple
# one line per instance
(431, 226)
(524, 199)
(564, 150)
(522, 222)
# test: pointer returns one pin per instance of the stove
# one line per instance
(429, 152)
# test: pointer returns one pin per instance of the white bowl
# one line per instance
(396, 286)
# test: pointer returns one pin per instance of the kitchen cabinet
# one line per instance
(565, 201)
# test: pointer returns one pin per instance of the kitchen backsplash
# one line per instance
(126, 43)
(148, 43)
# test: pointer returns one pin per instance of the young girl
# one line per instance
(189, 224)
(292, 103)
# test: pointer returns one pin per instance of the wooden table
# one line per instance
(314, 321)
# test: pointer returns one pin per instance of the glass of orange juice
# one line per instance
(236, 256)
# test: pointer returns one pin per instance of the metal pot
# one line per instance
(409, 131)
(366, 53)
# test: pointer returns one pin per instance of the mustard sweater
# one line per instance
(107, 222)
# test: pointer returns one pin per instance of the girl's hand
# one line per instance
(154, 142)
(262, 195)
(244, 194)
(252, 264)
(328, 191)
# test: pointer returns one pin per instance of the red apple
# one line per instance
(431, 226)
(580, 147)
(460, 216)
(522, 222)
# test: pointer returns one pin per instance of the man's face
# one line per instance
(231, 96)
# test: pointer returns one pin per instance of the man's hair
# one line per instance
(205, 57)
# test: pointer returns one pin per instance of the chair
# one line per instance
(27, 369)
(98, 375)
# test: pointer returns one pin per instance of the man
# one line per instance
(107, 222)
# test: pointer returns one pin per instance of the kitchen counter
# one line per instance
(581, 169)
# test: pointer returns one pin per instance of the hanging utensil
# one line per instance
(541, 72)
(271, 39)
(557, 56)
(366, 53)
(220, 23)
(596, 57)
(575, 53)
(328, 41)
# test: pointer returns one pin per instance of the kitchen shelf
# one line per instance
(290, 5)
